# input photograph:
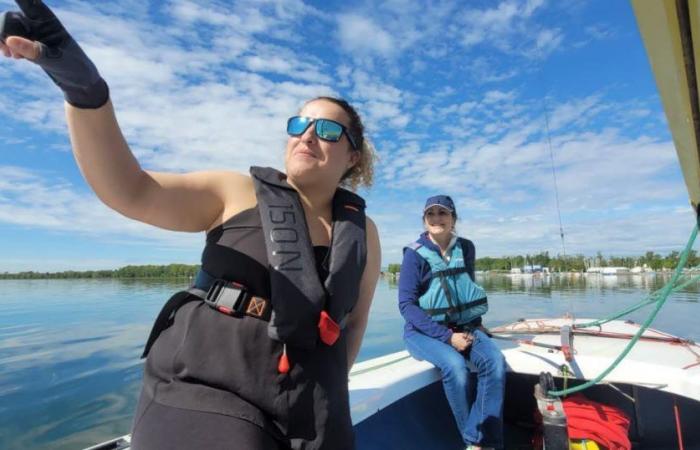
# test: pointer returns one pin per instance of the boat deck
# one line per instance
(398, 402)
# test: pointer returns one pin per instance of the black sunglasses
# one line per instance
(326, 129)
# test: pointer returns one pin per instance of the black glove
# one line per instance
(60, 56)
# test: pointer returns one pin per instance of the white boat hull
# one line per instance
(398, 402)
(396, 399)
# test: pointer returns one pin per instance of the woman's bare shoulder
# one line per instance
(237, 191)
(372, 236)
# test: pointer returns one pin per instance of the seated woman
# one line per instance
(442, 306)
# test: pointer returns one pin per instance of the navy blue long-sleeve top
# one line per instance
(414, 280)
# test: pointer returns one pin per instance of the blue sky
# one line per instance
(453, 95)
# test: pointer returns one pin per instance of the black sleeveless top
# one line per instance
(208, 361)
(230, 246)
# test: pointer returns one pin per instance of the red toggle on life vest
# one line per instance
(328, 329)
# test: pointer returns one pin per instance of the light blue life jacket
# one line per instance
(452, 297)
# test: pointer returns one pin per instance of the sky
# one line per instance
(476, 99)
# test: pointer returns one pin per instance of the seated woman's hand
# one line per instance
(460, 341)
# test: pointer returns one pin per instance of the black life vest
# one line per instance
(298, 297)
(302, 307)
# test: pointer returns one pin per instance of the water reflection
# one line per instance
(577, 282)
(69, 358)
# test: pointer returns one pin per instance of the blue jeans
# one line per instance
(479, 417)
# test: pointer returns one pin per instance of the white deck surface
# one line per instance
(667, 365)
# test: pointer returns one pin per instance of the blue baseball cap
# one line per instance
(443, 201)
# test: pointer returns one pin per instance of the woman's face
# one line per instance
(310, 160)
(438, 221)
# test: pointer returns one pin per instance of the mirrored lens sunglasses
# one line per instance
(326, 129)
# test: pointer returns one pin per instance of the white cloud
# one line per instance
(39, 200)
(509, 27)
(483, 24)
(485, 69)
(283, 62)
(548, 40)
(605, 175)
(578, 111)
(443, 90)
(360, 34)
(184, 107)
(497, 96)
(599, 31)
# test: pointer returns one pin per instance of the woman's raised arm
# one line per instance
(183, 202)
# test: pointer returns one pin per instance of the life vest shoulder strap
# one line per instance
(349, 200)
(450, 272)
(469, 255)
(413, 246)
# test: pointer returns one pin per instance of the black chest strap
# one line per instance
(226, 297)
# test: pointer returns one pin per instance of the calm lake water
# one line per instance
(69, 349)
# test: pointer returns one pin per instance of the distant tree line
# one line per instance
(129, 272)
(579, 263)
(559, 263)
(394, 268)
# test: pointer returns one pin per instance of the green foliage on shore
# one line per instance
(126, 272)
(394, 268)
(576, 263)
(559, 263)
(579, 263)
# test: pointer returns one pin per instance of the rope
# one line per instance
(663, 296)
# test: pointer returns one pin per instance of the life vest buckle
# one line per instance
(226, 297)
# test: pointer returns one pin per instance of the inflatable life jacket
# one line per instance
(452, 296)
(301, 310)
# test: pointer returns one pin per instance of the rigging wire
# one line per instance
(551, 160)
(554, 172)
(556, 189)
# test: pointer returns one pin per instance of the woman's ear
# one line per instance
(354, 159)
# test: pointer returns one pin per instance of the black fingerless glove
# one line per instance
(60, 56)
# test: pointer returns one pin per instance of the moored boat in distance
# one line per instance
(615, 271)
